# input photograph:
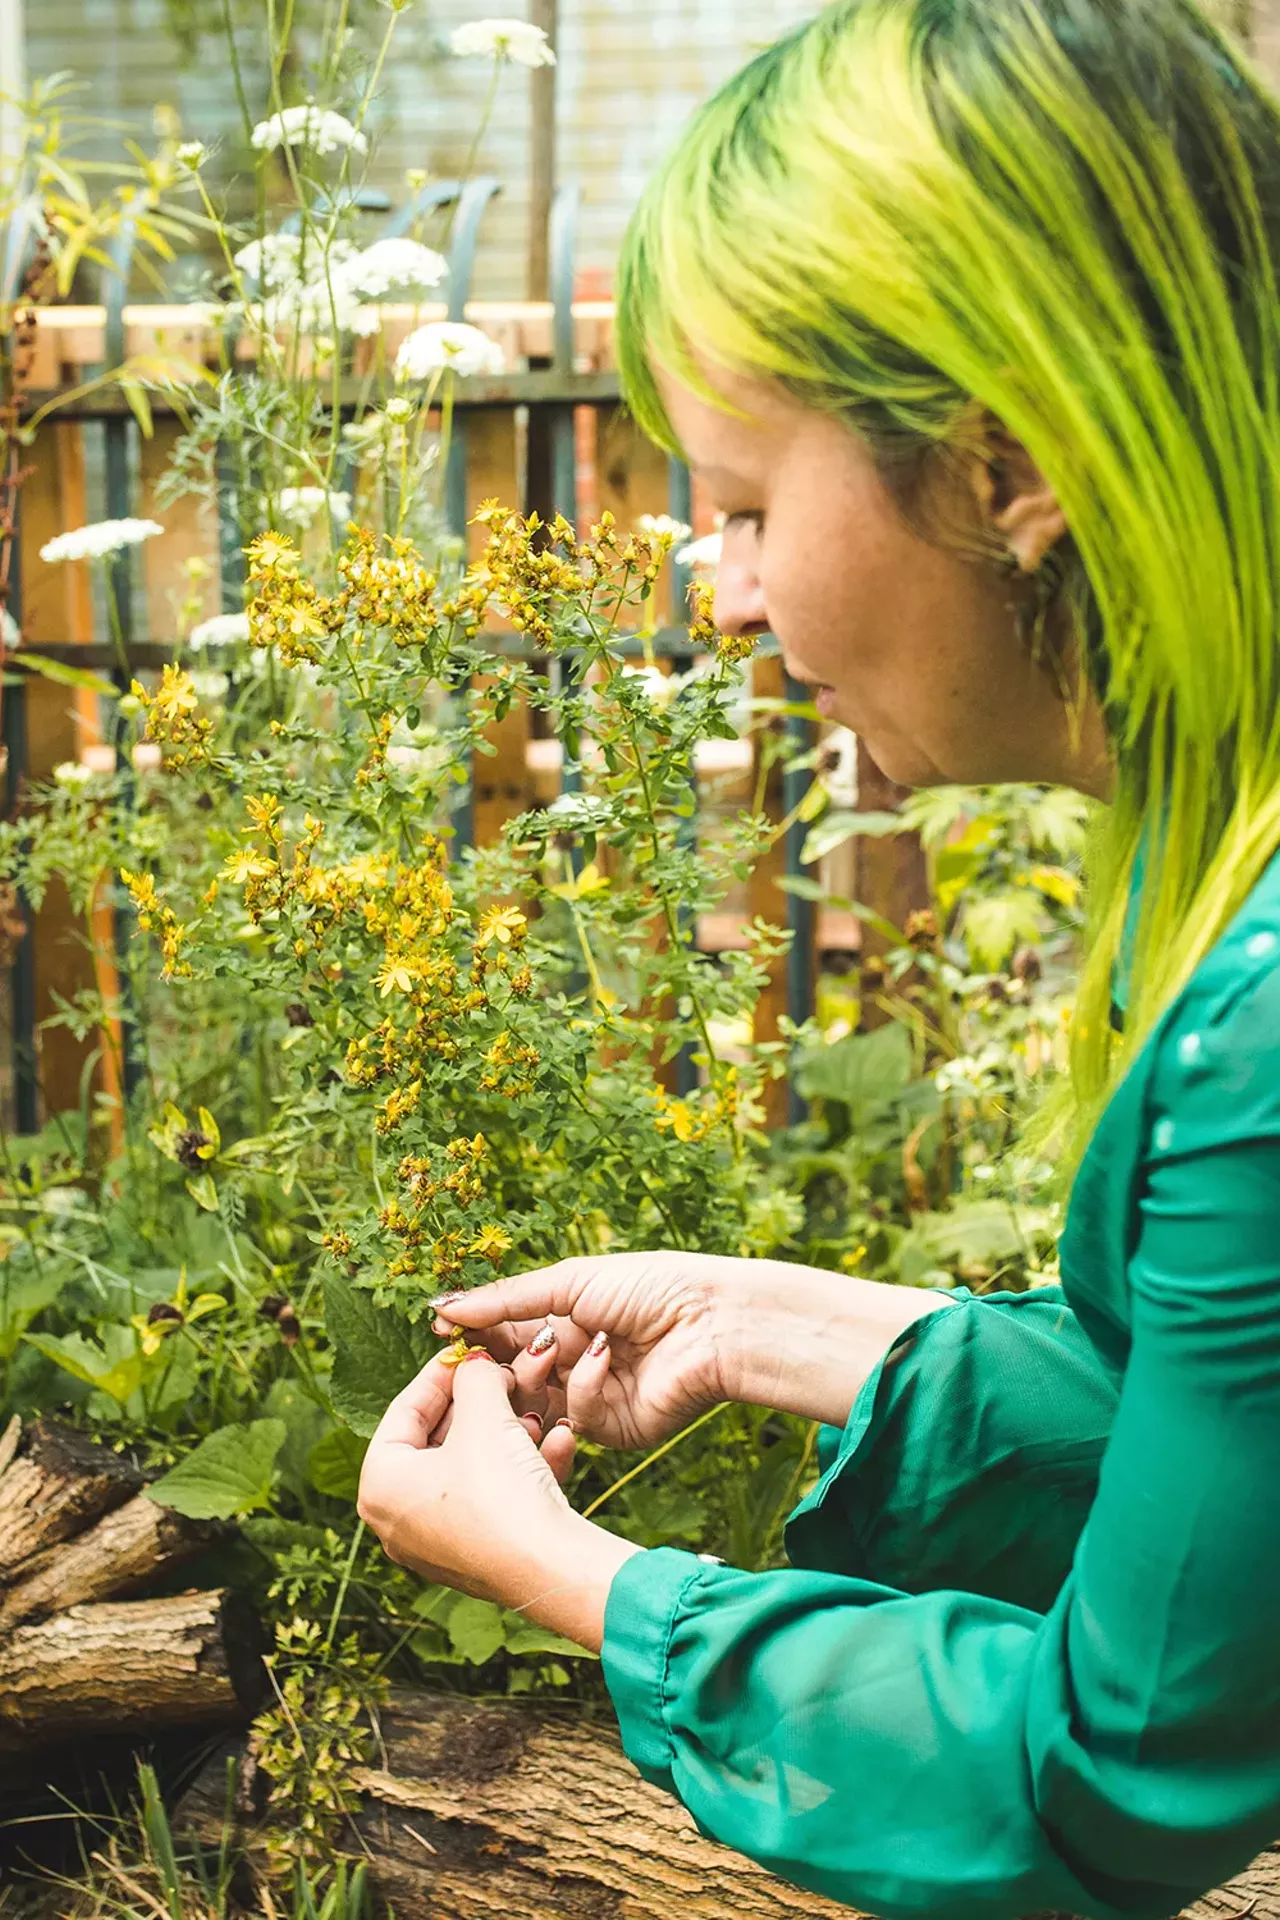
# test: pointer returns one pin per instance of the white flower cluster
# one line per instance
(327, 293)
(659, 686)
(192, 154)
(317, 128)
(971, 1074)
(73, 775)
(100, 540)
(221, 630)
(661, 526)
(10, 632)
(448, 345)
(702, 555)
(394, 265)
(303, 504)
(516, 40)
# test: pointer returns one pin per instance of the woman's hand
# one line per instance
(632, 1346)
(628, 1347)
(458, 1489)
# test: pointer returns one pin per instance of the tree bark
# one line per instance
(481, 1812)
(53, 1484)
(126, 1549)
(189, 1661)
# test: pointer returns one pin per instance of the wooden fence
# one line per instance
(550, 435)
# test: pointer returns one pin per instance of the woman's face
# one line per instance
(909, 642)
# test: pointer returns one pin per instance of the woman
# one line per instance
(965, 311)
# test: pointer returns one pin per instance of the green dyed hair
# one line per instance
(1068, 213)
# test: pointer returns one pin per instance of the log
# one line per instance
(516, 1812)
(55, 1484)
(127, 1548)
(193, 1660)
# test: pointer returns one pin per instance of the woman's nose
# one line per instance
(739, 605)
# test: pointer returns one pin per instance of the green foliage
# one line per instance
(229, 1473)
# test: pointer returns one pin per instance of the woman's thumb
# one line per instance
(482, 1389)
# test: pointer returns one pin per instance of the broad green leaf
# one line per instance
(994, 926)
(974, 1233)
(522, 1638)
(334, 1463)
(229, 1473)
(475, 1628)
(116, 1366)
(25, 1290)
(375, 1354)
(863, 1070)
(838, 826)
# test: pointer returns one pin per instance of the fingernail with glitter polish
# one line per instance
(443, 1300)
(599, 1345)
(542, 1342)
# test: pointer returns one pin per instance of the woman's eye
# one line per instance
(754, 519)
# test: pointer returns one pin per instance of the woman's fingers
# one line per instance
(416, 1412)
(557, 1450)
(585, 1386)
(515, 1308)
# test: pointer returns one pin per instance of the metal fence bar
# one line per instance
(22, 973)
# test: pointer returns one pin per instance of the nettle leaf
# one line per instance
(995, 926)
(334, 1463)
(523, 1638)
(229, 1473)
(375, 1353)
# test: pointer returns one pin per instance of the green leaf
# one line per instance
(334, 1463)
(522, 1638)
(475, 1629)
(995, 926)
(864, 1070)
(228, 1474)
(25, 1290)
(64, 675)
(204, 1192)
(375, 1354)
(838, 826)
(974, 1233)
(115, 1367)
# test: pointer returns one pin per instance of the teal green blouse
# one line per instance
(1027, 1654)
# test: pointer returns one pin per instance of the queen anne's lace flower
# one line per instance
(661, 526)
(104, 537)
(394, 266)
(192, 154)
(73, 774)
(222, 630)
(448, 344)
(516, 40)
(704, 553)
(318, 128)
(302, 504)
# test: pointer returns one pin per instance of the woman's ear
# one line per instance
(1017, 503)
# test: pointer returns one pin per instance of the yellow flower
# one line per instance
(247, 865)
(397, 976)
(272, 553)
(506, 925)
(264, 810)
(175, 695)
(490, 1244)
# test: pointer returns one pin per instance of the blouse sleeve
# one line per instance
(951, 1754)
(971, 1457)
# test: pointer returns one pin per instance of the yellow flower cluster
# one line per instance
(419, 1224)
(285, 612)
(172, 719)
(154, 916)
(705, 636)
(508, 1062)
(688, 1122)
(390, 590)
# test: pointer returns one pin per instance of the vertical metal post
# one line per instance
(118, 430)
(22, 977)
(802, 915)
